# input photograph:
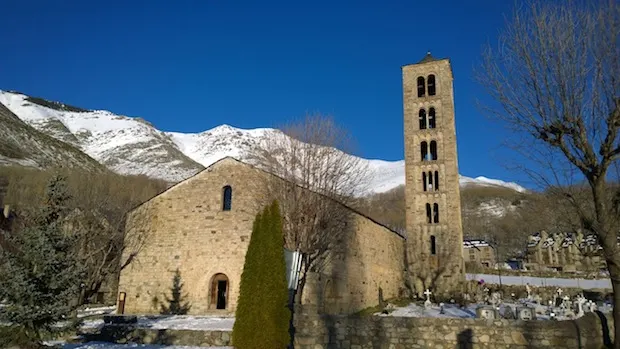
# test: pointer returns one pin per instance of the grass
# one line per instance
(399, 302)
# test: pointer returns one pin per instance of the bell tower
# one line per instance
(432, 195)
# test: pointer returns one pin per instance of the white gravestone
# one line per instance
(487, 312)
(427, 293)
(526, 313)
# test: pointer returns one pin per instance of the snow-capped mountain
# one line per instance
(131, 145)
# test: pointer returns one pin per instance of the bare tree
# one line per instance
(314, 177)
(554, 76)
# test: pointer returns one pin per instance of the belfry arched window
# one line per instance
(436, 181)
(433, 245)
(431, 85)
(424, 181)
(421, 86)
(429, 214)
(435, 213)
(433, 150)
(422, 117)
(424, 151)
(432, 123)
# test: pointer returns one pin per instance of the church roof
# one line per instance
(428, 58)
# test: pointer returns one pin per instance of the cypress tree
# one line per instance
(262, 317)
(40, 278)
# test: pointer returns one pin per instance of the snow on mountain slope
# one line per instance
(131, 145)
(123, 144)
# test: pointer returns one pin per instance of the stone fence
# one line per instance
(385, 332)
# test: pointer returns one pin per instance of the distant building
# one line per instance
(568, 252)
(479, 252)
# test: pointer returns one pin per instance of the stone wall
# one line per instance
(342, 332)
(130, 334)
(372, 266)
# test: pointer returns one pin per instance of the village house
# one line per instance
(479, 252)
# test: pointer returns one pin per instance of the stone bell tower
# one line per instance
(433, 201)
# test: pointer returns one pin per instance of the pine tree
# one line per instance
(262, 316)
(40, 278)
(175, 304)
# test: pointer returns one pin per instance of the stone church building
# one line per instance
(202, 225)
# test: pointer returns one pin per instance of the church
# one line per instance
(202, 225)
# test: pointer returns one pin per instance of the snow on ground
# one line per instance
(96, 311)
(103, 345)
(177, 322)
(539, 281)
(469, 312)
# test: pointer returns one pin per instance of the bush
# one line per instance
(262, 316)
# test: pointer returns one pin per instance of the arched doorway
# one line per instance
(219, 292)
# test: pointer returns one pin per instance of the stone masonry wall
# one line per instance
(372, 332)
(185, 228)
(373, 262)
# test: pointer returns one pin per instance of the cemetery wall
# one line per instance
(348, 332)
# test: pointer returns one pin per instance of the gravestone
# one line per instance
(427, 302)
(487, 312)
(526, 313)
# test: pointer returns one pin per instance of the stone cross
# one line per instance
(528, 290)
(427, 302)
(559, 291)
(581, 300)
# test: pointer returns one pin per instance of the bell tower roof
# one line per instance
(428, 58)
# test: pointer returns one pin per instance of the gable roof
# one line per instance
(228, 158)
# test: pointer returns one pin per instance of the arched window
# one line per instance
(435, 213)
(430, 181)
(429, 214)
(421, 87)
(422, 119)
(424, 181)
(226, 198)
(433, 245)
(436, 180)
(431, 118)
(431, 85)
(424, 151)
(433, 150)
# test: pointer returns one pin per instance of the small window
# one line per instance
(226, 198)
(424, 181)
(422, 114)
(429, 214)
(431, 85)
(430, 181)
(433, 155)
(421, 87)
(435, 213)
(436, 180)
(431, 118)
(424, 151)
(433, 245)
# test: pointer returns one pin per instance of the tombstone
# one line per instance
(487, 312)
(427, 302)
(509, 313)
(528, 290)
(580, 302)
(441, 308)
(527, 313)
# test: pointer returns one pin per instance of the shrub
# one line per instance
(262, 317)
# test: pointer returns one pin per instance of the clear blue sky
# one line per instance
(192, 65)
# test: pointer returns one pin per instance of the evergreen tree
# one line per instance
(175, 304)
(40, 277)
(262, 316)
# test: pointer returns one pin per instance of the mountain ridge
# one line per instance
(132, 145)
